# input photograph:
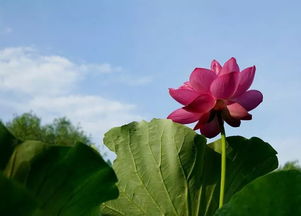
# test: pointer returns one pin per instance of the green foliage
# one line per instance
(291, 165)
(52, 179)
(165, 168)
(60, 132)
(277, 194)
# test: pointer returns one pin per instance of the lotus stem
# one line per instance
(223, 162)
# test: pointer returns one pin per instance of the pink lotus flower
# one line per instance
(221, 90)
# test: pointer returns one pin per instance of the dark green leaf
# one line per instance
(19, 164)
(277, 194)
(71, 180)
(7, 145)
(166, 168)
(247, 160)
(15, 200)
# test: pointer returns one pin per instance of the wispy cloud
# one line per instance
(133, 81)
(99, 68)
(24, 71)
(6, 30)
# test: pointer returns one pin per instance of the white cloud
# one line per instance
(45, 84)
(24, 71)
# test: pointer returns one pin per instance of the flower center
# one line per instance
(220, 105)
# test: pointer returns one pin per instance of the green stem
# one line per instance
(223, 161)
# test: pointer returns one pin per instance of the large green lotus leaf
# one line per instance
(277, 194)
(70, 180)
(7, 145)
(14, 199)
(166, 168)
(62, 180)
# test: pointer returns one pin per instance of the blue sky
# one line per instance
(104, 63)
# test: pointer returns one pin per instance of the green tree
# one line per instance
(291, 165)
(61, 131)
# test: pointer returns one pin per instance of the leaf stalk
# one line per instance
(223, 161)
